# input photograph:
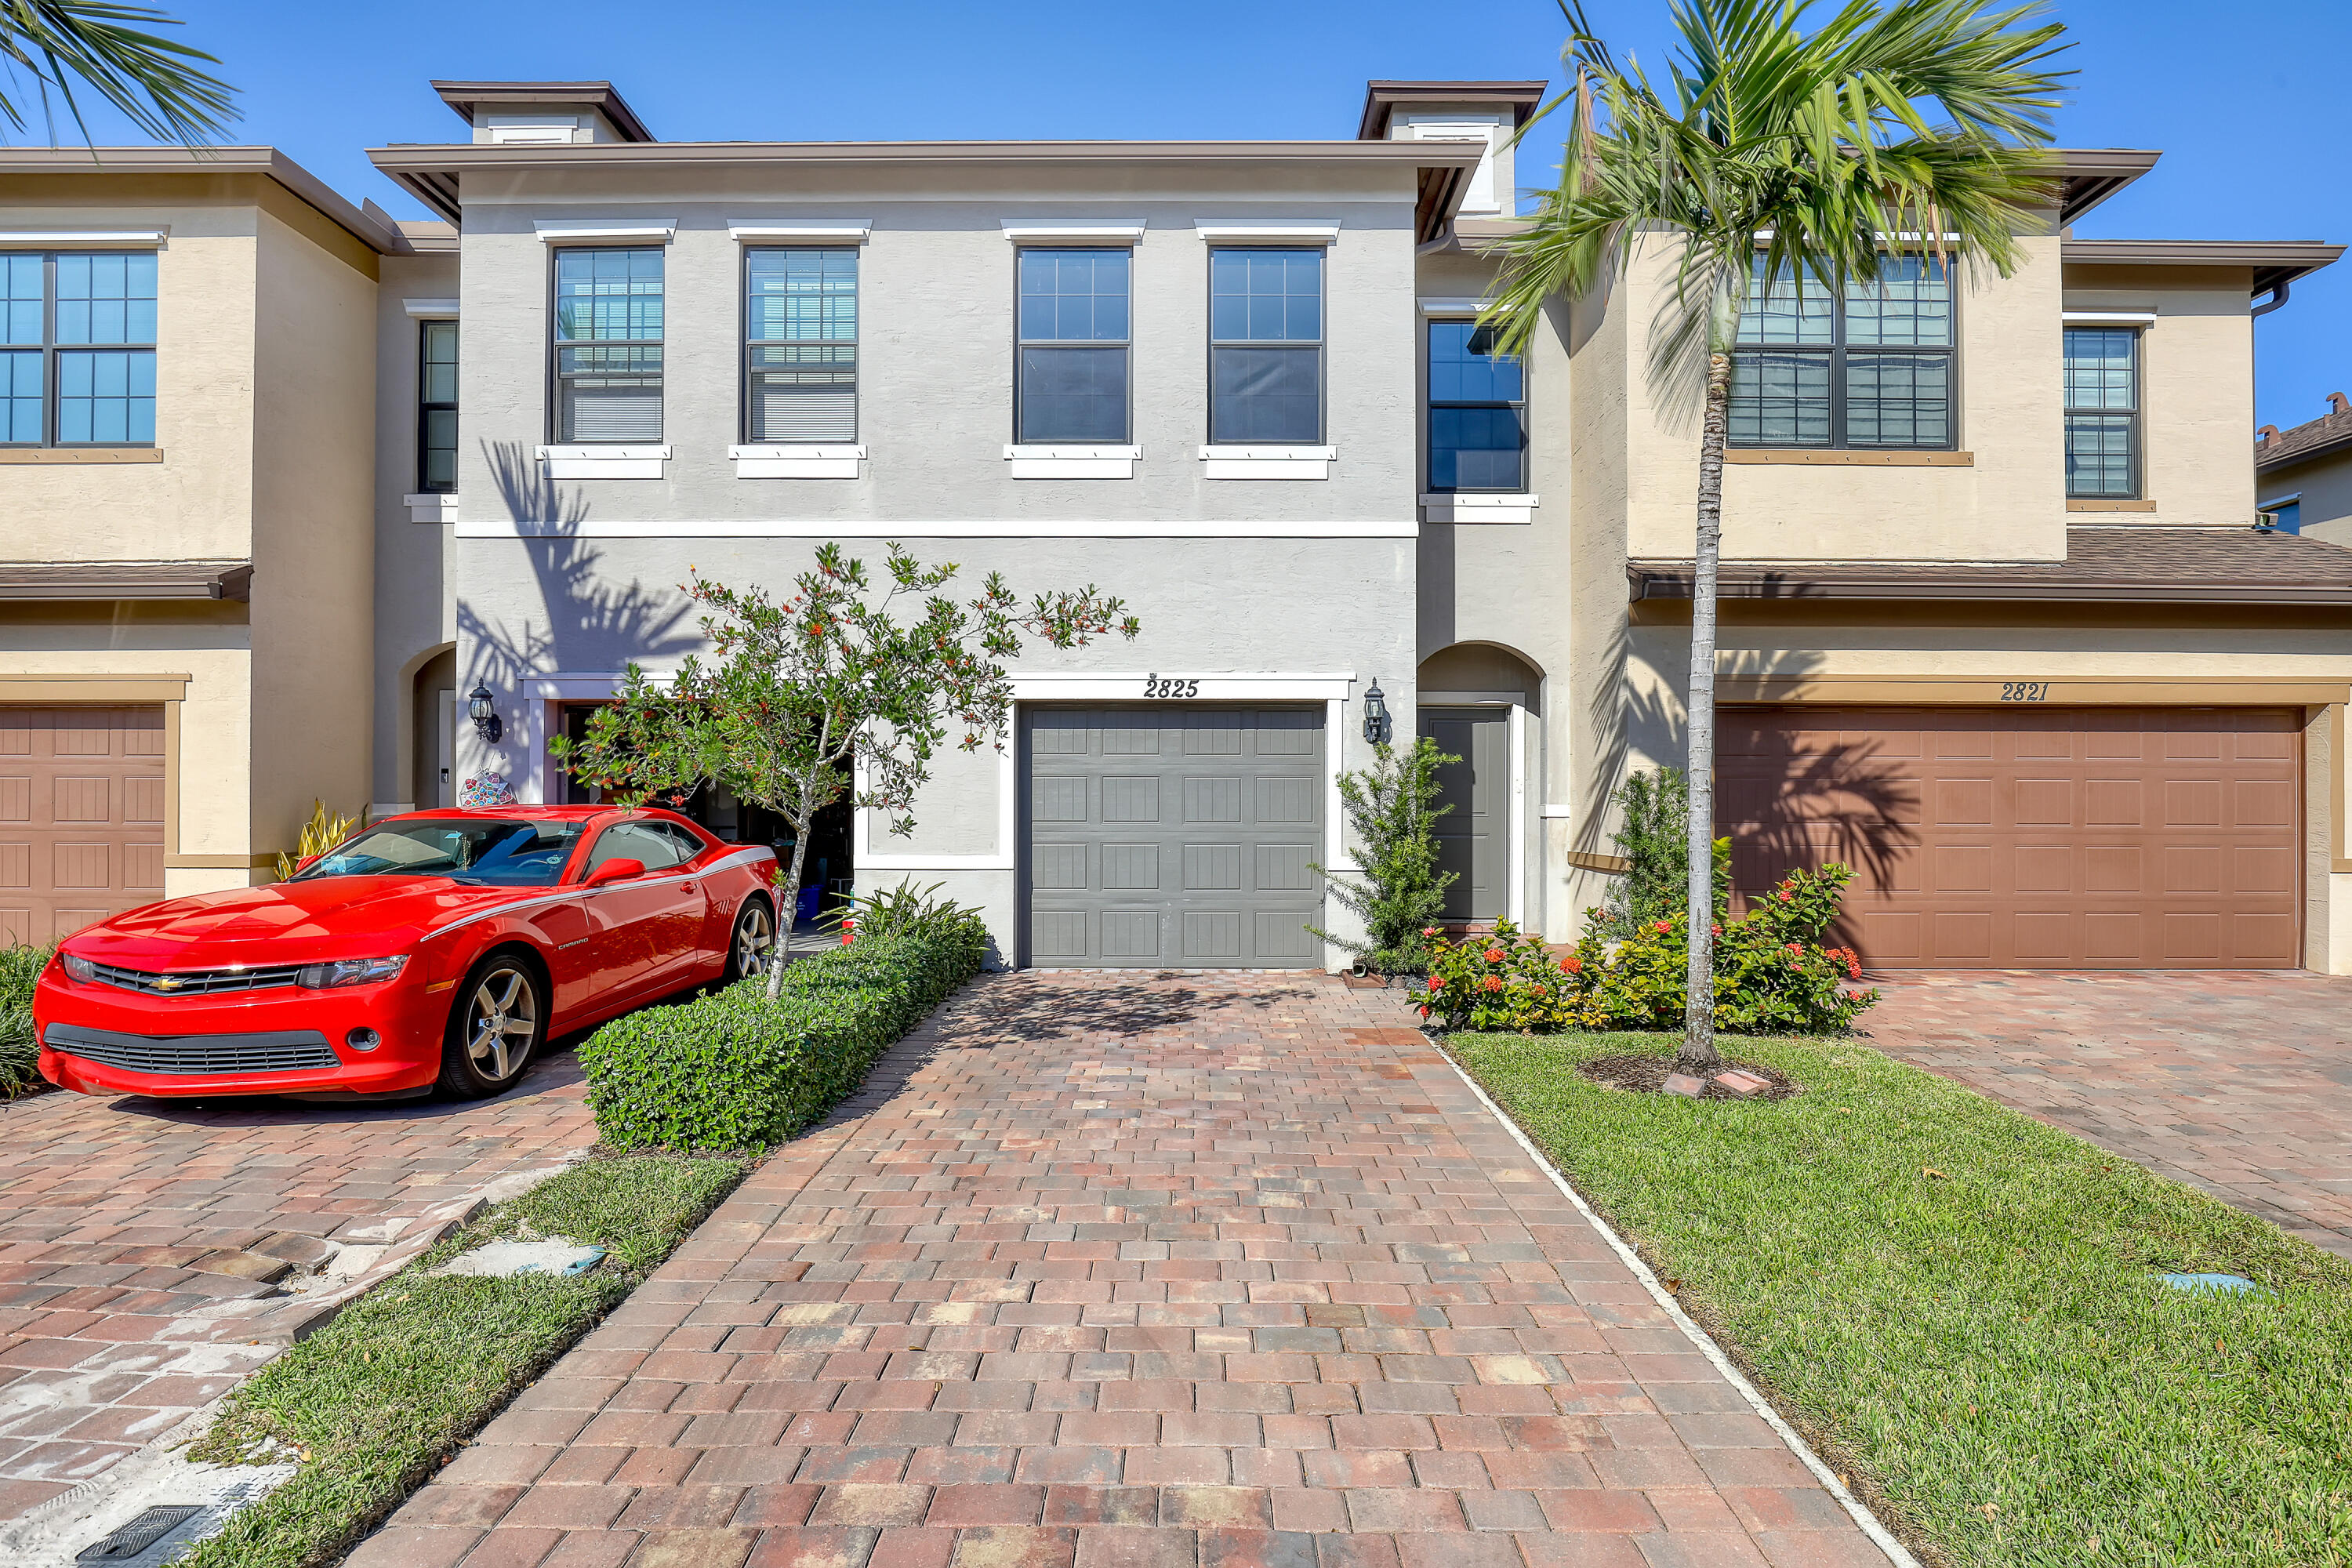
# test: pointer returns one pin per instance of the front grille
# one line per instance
(283, 1050)
(197, 982)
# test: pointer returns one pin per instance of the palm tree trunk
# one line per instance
(1698, 1053)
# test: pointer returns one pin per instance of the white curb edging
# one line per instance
(1861, 1516)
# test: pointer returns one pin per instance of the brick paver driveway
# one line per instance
(152, 1253)
(2234, 1083)
(1169, 1272)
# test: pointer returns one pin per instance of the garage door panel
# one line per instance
(15, 798)
(2102, 838)
(1172, 837)
(81, 799)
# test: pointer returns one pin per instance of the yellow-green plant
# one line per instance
(320, 834)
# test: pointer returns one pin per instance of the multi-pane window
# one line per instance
(1869, 364)
(1265, 345)
(1072, 360)
(2103, 413)
(1478, 411)
(78, 349)
(608, 345)
(800, 349)
(436, 407)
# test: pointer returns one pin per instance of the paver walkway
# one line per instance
(1179, 1271)
(146, 1245)
(2235, 1082)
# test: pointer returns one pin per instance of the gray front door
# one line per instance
(1172, 837)
(1473, 838)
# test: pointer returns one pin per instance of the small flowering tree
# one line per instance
(796, 687)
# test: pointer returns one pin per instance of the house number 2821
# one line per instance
(1169, 686)
(2025, 692)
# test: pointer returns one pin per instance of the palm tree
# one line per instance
(48, 45)
(1775, 154)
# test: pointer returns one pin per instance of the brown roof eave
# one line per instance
(2269, 262)
(465, 97)
(57, 580)
(379, 234)
(1383, 98)
(1656, 582)
(2286, 460)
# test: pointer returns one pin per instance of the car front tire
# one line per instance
(497, 1025)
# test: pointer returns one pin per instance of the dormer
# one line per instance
(1483, 112)
(542, 113)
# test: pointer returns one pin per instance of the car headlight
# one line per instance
(80, 969)
(350, 972)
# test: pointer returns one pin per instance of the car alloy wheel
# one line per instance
(496, 1026)
(755, 931)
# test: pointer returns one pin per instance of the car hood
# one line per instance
(288, 922)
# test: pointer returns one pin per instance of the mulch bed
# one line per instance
(1647, 1075)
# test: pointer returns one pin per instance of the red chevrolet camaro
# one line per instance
(436, 947)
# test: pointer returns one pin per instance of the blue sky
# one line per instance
(2249, 114)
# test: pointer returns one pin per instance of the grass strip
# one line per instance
(1957, 1303)
(379, 1398)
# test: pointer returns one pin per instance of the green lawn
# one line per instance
(1956, 1302)
(377, 1400)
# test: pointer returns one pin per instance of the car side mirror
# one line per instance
(617, 869)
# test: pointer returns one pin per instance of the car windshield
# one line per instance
(505, 852)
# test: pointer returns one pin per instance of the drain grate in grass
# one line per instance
(1958, 1303)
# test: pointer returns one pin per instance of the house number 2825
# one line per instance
(1169, 686)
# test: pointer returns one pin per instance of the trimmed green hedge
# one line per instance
(735, 1070)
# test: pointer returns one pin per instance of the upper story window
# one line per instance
(78, 349)
(608, 345)
(2102, 413)
(436, 407)
(1071, 372)
(1478, 411)
(1869, 365)
(1265, 345)
(800, 344)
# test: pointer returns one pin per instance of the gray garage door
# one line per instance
(1173, 837)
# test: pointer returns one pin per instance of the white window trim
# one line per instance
(2279, 501)
(662, 231)
(1450, 305)
(128, 239)
(1230, 233)
(1479, 506)
(2107, 317)
(1032, 231)
(1066, 461)
(1267, 462)
(430, 310)
(604, 462)
(796, 460)
(431, 506)
(762, 231)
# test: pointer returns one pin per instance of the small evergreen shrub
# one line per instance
(1656, 842)
(736, 1070)
(1772, 976)
(1391, 808)
(20, 1053)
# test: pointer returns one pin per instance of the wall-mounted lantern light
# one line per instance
(482, 708)
(1376, 715)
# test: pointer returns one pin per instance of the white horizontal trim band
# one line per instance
(794, 449)
(1451, 305)
(2108, 318)
(1100, 686)
(1024, 230)
(614, 454)
(1478, 498)
(866, 528)
(1127, 452)
(1560, 811)
(83, 235)
(1270, 454)
(838, 233)
(991, 862)
(430, 307)
(1262, 233)
(663, 229)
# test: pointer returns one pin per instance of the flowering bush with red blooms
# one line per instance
(1772, 976)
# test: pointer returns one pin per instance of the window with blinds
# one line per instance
(1070, 376)
(76, 349)
(800, 347)
(436, 407)
(1868, 365)
(608, 345)
(2102, 413)
(1265, 345)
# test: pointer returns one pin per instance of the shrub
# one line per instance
(1772, 976)
(1390, 809)
(903, 910)
(736, 1071)
(20, 966)
(1656, 842)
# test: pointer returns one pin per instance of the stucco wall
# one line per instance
(415, 606)
(2325, 486)
(313, 526)
(937, 295)
(2197, 384)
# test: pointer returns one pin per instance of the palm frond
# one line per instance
(49, 45)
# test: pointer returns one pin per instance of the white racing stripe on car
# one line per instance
(741, 858)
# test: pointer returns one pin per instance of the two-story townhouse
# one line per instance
(187, 386)
(2000, 628)
(2304, 474)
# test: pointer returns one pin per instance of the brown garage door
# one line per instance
(82, 816)
(2059, 838)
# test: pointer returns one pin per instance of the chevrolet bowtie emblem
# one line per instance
(168, 984)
